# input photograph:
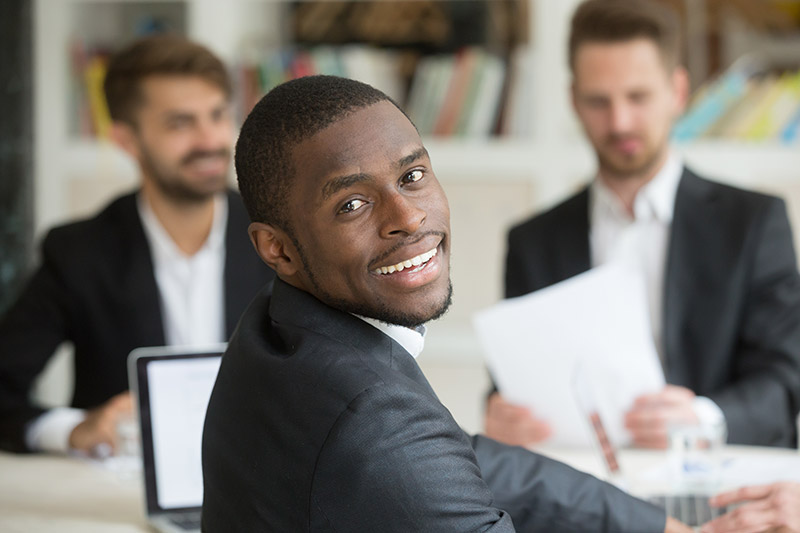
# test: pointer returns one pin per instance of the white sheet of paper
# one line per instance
(593, 328)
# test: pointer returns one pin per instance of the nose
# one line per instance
(212, 135)
(404, 215)
(621, 117)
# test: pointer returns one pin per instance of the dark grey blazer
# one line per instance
(731, 298)
(320, 422)
(96, 289)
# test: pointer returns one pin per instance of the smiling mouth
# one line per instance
(416, 261)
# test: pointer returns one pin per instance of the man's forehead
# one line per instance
(373, 136)
(628, 64)
(179, 92)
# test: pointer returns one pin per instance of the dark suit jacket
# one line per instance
(320, 422)
(96, 288)
(731, 298)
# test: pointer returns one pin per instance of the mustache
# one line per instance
(200, 154)
(412, 239)
(617, 137)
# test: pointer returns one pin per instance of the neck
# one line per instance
(627, 186)
(187, 223)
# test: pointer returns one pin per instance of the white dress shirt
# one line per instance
(191, 287)
(412, 340)
(642, 240)
(192, 298)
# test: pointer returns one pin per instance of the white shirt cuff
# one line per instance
(50, 432)
(708, 413)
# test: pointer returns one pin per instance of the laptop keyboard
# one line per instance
(692, 509)
(189, 520)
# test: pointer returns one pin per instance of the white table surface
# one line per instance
(44, 494)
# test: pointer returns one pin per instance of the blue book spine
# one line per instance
(705, 112)
(792, 130)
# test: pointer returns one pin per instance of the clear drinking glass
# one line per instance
(695, 456)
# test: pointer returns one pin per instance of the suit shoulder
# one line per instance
(92, 232)
(552, 217)
(740, 202)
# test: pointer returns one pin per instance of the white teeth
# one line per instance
(408, 263)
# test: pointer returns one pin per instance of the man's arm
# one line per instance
(396, 461)
(544, 495)
(764, 393)
(30, 331)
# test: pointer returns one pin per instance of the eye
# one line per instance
(179, 123)
(352, 205)
(413, 176)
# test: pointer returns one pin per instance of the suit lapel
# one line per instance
(691, 254)
(142, 300)
(239, 277)
(293, 306)
(572, 237)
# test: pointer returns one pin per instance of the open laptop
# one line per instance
(171, 387)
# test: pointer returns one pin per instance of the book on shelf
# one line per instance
(89, 110)
(453, 107)
(710, 105)
(449, 94)
(457, 95)
(777, 107)
(759, 106)
(791, 131)
(378, 67)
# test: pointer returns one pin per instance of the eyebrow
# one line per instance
(342, 182)
(177, 115)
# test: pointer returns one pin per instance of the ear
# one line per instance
(125, 137)
(573, 95)
(680, 87)
(275, 248)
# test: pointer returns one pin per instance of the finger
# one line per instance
(521, 433)
(674, 393)
(750, 518)
(121, 403)
(654, 441)
(754, 492)
(510, 414)
(670, 394)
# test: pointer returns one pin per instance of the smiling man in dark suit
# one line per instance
(320, 419)
(168, 264)
(718, 262)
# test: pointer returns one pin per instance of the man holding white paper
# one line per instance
(719, 265)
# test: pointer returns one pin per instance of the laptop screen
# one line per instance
(173, 388)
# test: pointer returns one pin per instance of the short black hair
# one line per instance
(288, 114)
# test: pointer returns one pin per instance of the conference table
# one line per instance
(45, 493)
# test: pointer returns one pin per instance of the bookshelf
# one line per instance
(492, 181)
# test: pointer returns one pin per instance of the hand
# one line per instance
(651, 414)
(100, 425)
(513, 424)
(774, 508)
(674, 526)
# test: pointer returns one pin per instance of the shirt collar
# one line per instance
(412, 340)
(163, 244)
(655, 200)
